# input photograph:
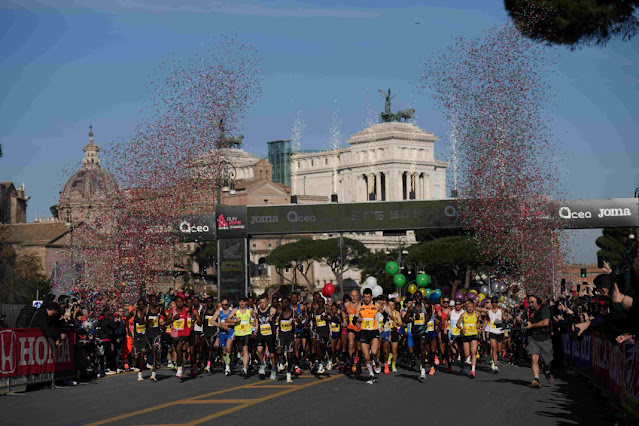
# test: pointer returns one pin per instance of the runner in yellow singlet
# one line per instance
(468, 323)
(242, 317)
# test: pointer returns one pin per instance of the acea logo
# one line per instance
(566, 213)
(7, 354)
(294, 217)
(187, 228)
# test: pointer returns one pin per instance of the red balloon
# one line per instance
(328, 290)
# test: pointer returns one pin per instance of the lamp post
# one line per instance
(225, 183)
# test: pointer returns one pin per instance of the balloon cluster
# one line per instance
(371, 282)
(493, 90)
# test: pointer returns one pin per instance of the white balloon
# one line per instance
(362, 288)
(378, 291)
(371, 282)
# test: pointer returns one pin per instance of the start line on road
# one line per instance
(240, 403)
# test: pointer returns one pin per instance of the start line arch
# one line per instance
(244, 221)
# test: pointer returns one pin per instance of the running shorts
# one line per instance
(224, 337)
(140, 344)
(468, 339)
(367, 336)
(266, 342)
(496, 336)
(385, 336)
(285, 340)
(243, 341)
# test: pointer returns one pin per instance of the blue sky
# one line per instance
(65, 64)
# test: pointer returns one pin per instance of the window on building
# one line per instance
(270, 246)
(312, 162)
(265, 201)
(262, 269)
(254, 246)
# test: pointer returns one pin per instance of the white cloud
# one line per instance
(272, 9)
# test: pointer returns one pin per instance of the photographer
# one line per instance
(537, 317)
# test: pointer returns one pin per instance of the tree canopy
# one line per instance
(20, 276)
(616, 247)
(298, 255)
(574, 22)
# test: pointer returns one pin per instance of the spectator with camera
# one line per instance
(537, 318)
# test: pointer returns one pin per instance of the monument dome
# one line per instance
(90, 187)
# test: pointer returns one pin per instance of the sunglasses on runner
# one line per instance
(445, 301)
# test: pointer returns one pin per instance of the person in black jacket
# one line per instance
(44, 319)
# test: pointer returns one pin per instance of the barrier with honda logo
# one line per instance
(611, 366)
(27, 356)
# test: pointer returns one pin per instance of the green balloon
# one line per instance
(423, 280)
(392, 267)
(399, 280)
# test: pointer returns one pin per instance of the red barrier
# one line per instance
(26, 353)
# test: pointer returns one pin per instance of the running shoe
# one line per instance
(535, 383)
(227, 370)
(289, 379)
(472, 375)
(386, 369)
(280, 367)
(378, 368)
(207, 368)
(273, 375)
(109, 372)
(549, 378)
(320, 369)
(140, 378)
(297, 370)
(432, 371)
(468, 360)
(436, 360)
(243, 372)
(179, 373)
(394, 369)
(136, 369)
(262, 371)
(153, 378)
(329, 365)
(423, 373)
(371, 380)
(496, 370)
(149, 366)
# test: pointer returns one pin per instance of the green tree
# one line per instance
(20, 276)
(328, 252)
(298, 256)
(446, 259)
(205, 255)
(616, 246)
(574, 22)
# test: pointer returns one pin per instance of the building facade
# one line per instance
(13, 203)
(385, 162)
(279, 155)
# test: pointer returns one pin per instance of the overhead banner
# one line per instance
(240, 221)
(352, 217)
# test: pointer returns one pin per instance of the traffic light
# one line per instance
(583, 272)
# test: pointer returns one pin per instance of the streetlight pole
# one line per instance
(225, 183)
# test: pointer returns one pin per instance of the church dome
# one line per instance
(90, 186)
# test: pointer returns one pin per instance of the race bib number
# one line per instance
(189, 322)
(155, 321)
(209, 320)
(350, 319)
(334, 327)
(420, 319)
(140, 328)
(506, 333)
(178, 324)
(319, 321)
(470, 329)
(456, 331)
(265, 329)
(492, 325)
(286, 326)
(368, 324)
(431, 326)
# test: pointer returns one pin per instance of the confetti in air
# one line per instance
(493, 90)
(169, 168)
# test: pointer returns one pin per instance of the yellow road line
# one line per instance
(219, 401)
(259, 400)
(168, 404)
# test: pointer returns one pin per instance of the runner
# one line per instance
(154, 326)
(394, 324)
(454, 332)
(196, 333)
(366, 314)
(179, 320)
(140, 341)
(354, 344)
(416, 314)
(433, 328)
(301, 330)
(225, 333)
(209, 334)
(444, 341)
(496, 333)
(468, 323)
(335, 321)
(264, 317)
(321, 335)
(285, 336)
(242, 317)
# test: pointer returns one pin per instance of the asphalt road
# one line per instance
(335, 399)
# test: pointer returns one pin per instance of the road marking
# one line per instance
(168, 404)
(219, 401)
(259, 400)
